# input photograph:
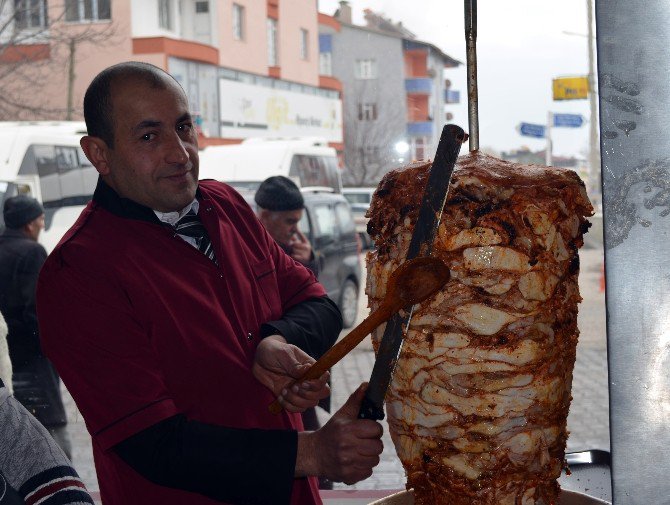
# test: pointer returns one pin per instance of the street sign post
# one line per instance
(532, 130)
(568, 120)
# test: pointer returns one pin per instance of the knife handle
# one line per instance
(369, 410)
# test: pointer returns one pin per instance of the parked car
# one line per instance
(360, 199)
(358, 195)
(329, 225)
(360, 210)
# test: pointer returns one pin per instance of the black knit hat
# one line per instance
(21, 210)
(279, 193)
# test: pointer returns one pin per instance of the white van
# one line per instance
(43, 159)
(309, 162)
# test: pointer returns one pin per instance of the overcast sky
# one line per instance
(521, 47)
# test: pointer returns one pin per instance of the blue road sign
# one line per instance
(532, 130)
(568, 120)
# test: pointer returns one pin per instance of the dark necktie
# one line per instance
(190, 226)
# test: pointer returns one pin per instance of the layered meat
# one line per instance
(479, 399)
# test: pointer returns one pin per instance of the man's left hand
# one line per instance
(278, 364)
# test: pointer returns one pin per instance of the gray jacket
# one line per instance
(31, 463)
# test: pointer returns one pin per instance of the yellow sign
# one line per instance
(571, 88)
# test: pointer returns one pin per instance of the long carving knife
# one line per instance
(430, 213)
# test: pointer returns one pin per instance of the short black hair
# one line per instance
(279, 193)
(98, 98)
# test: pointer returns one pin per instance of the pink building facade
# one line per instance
(249, 67)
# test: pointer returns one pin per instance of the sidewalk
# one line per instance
(589, 415)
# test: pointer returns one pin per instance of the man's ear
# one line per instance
(97, 152)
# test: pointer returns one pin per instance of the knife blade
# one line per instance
(430, 213)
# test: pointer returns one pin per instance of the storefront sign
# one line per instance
(249, 110)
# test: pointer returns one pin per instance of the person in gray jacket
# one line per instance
(33, 469)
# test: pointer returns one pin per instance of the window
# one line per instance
(304, 41)
(272, 42)
(238, 22)
(325, 54)
(312, 170)
(30, 14)
(346, 218)
(201, 7)
(87, 10)
(66, 176)
(367, 111)
(165, 14)
(325, 221)
(420, 148)
(370, 155)
(325, 63)
(366, 69)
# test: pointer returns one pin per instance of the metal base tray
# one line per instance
(566, 498)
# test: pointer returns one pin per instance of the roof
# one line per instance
(386, 27)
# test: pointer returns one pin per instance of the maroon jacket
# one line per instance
(142, 326)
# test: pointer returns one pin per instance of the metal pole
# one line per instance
(594, 147)
(547, 135)
(471, 49)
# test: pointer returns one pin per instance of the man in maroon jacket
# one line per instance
(174, 320)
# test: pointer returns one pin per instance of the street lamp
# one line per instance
(401, 147)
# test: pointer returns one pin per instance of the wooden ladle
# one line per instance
(411, 283)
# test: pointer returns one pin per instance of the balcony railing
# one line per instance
(420, 128)
(420, 85)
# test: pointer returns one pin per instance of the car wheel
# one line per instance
(349, 303)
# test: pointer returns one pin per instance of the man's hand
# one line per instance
(346, 449)
(278, 364)
(301, 249)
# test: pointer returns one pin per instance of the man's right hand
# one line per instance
(345, 449)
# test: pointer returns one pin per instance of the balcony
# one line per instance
(419, 85)
(420, 128)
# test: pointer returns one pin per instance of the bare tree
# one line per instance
(37, 46)
(374, 122)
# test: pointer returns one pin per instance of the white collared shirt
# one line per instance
(171, 218)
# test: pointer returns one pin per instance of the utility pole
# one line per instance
(70, 79)
(594, 147)
(547, 135)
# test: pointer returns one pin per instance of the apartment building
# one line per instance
(249, 67)
(394, 92)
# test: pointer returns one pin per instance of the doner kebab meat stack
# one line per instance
(479, 399)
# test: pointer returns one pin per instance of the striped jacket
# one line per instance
(31, 462)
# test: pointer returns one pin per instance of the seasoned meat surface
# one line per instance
(479, 399)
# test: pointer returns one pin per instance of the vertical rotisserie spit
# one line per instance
(479, 399)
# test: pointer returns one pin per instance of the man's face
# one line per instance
(154, 161)
(34, 227)
(282, 225)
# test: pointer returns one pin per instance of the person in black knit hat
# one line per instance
(36, 383)
(280, 209)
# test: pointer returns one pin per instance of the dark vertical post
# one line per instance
(471, 49)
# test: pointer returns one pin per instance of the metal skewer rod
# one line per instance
(471, 49)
